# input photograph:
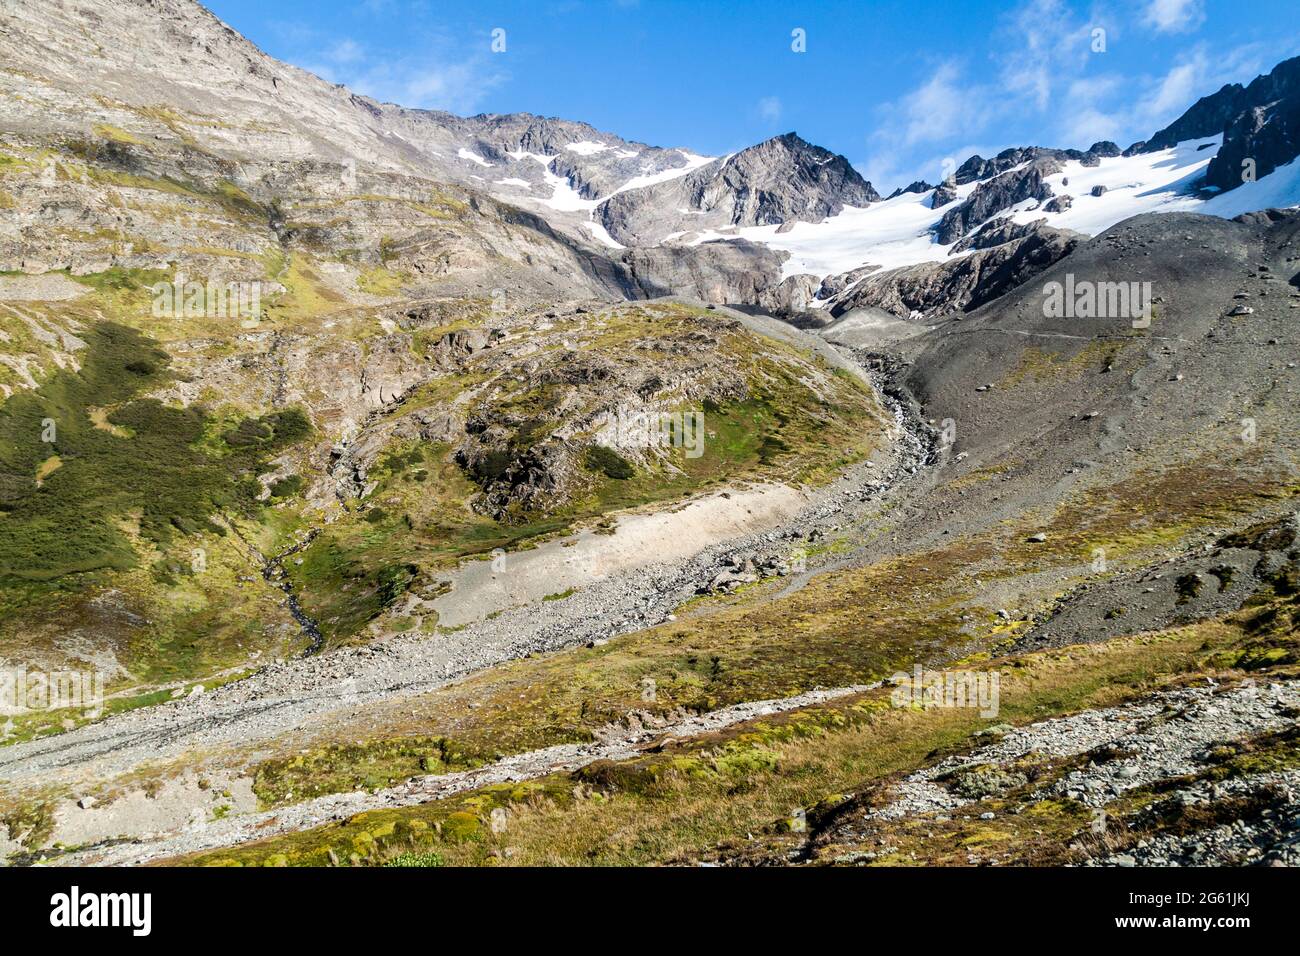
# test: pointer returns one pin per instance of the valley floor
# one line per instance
(495, 743)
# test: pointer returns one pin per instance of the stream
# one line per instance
(274, 573)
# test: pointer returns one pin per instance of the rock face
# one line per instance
(977, 167)
(1006, 256)
(995, 232)
(792, 297)
(1212, 115)
(1266, 133)
(920, 186)
(1207, 117)
(944, 194)
(735, 272)
(782, 180)
(1000, 193)
(834, 285)
(1259, 122)
(594, 163)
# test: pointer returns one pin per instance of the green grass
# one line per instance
(105, 545)
(372, 765)
(381, 282)
(156, 479)
(609, 463)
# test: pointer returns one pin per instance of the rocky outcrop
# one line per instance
(734, 271)
(920, 186)
(994, 233)
(1211, 115)
(977, 168)
(594, 163)
(834, 285)
(996, 195)
(793, 296)
(454, 347)
(782, 180)
(966, 282)
(944, 194)
(1259, 122)
(1261, 137)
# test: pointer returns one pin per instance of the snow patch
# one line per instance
(889, 234)
(1280, 189)
(602, 234)
(587, 148)
(464, 153)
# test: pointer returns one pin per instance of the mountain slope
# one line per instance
(451, 520)
(199, 244)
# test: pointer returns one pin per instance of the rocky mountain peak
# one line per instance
(782, 180)
(787, 178)
(1213, 115)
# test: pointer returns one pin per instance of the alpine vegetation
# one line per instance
(393, 478)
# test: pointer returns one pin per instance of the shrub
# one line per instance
(609, 463)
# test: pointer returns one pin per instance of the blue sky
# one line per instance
(897, 86)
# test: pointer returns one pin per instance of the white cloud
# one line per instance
(1041, 48)
(345, 51)
(1174, 16)
(454, 87)
(1092, 126)
(1178, 89)
(432, 80)
(425, 82)
(942, 106)
(769, 108)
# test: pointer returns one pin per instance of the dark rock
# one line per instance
(943, 195)
(781, 180)
(994, 233)
(834, 285)
(733, 271)
(1212, 115)
(920, 186)
(966, 282)
(999, 193)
